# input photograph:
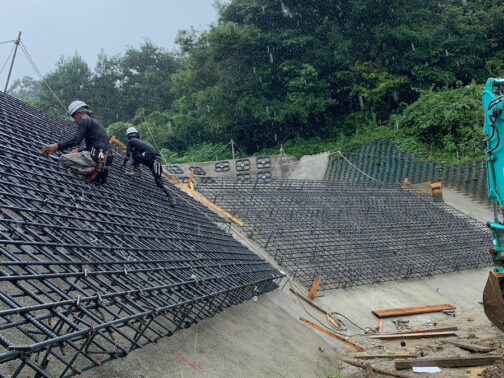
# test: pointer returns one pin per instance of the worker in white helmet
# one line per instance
(96, 158)
(144, 153)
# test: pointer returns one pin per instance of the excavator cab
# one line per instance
(493, 103)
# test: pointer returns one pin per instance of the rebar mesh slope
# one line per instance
(89, 273)
(353, 233)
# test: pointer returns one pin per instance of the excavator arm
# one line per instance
(493, 103)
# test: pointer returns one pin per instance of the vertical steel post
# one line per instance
(18, 41)
(233, 152)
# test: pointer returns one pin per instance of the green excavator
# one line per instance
(493, 103)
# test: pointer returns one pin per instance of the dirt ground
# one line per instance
(462, 290)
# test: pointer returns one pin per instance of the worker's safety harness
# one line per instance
(157, 168)
(101, 162)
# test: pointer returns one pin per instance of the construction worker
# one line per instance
(143, 152)
(96, 158)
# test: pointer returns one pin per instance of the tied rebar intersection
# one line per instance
(353, 233)
(90, 273)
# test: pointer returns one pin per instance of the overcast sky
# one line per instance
(54, 28)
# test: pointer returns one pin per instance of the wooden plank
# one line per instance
(412, 310)
(380, 327)
(190, 184)
(449, 362)
(475, 372)
(415, 335)
(370, 371)
(426, 331)
(308, 301)
(472, 347)
(334, 336)
(313, 292)
(446, 329)
(203, 199)
(377, 370)
(366, 356)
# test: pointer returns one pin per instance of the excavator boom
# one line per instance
(493, 103)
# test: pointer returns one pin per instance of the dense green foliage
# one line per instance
(311, 75)
(446, 125)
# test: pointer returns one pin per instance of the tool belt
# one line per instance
(101, 159)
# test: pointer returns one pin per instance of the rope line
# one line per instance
(355, 167)
(7, 60)
(34, 66)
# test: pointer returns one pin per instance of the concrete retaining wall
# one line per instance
(263, 168)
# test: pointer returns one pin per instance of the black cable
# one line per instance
(492, 121)
(495, 101)
(491, 136)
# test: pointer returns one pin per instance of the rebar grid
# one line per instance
(89, 273)
(353, 233)
(383, 162)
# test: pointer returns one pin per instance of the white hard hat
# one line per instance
(76, 105)
(131, 130)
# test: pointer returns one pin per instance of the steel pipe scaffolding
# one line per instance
(89, 273)
(353, 233)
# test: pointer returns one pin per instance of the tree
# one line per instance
(104, 92)
(449, 121)
(144, 79)
(26, 89)
(69, 81)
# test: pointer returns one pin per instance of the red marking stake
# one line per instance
(187, 362)
(231, 321)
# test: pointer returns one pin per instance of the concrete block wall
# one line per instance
(263, 168)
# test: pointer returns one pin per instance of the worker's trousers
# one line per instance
(153, 162)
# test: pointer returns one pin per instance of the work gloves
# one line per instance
(51, 149)
(125, 160)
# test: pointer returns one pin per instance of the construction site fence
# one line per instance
(384, 163)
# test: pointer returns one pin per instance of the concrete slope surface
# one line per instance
(311, 167)
(253, 339)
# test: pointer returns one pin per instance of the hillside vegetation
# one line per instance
(310, 75)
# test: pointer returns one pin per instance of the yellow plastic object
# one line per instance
(118, 142)
(190, 183)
